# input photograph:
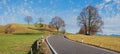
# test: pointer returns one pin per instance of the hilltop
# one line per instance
(24, 28)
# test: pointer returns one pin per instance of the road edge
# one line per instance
(93, 46)
(53, 50)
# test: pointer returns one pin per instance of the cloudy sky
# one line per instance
(14, 11)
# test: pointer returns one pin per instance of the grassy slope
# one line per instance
(20, 28)
(16, 44)
(1, 28)
(20, 42)
(108, 42)
(24, 28)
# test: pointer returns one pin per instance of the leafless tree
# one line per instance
(40, 20)
(89, 20)
(28, 19)
(50, 25)
(57, 23)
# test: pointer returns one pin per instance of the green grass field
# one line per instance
(20, 41)
(17, 44)
(108, 42)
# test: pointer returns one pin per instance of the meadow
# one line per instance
(16, 43)
(21, 40)
(107, 42)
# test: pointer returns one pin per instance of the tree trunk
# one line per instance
(85, 29)
(57, 29)
(89, 23)
(28, 23)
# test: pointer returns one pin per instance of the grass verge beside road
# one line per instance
(17, 44)
(108, 42)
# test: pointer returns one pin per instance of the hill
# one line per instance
(24, 28)
(23, 37)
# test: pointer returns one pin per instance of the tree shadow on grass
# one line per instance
(34, 48)
(27, 33)
(41, 29)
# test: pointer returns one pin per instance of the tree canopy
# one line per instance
(57, 23)
(28, 19)
(89, 21)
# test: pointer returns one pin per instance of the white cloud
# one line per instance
(51, 2)
(75, 10)
(4, 2)
(107, 0)
(110, 9)
(1, 20)
(117, 1)
(71, 1)
(25, 0)
(111, 16)
(101, 5)
(112, 25)
(40, 1)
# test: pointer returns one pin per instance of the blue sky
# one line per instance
(14, 11)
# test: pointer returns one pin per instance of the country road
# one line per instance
(61, 45)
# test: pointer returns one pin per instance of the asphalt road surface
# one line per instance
(61, 45)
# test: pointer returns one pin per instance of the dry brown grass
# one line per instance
(108, 42)
(45, 48)
(24, 28)
(19, 28)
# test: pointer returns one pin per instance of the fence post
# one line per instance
(82, 40)
(38, 43)
(31, 51)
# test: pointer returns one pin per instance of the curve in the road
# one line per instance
(50, 45)
(61, 45)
